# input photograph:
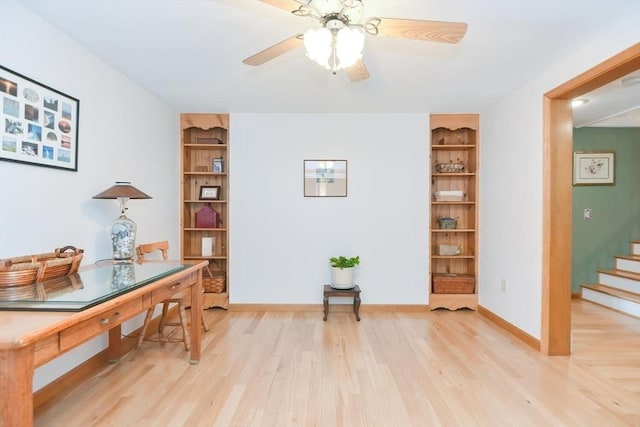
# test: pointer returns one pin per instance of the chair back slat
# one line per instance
(148, 248)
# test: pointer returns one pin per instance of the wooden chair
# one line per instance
(163, 247)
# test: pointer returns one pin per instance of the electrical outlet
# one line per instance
(503, 285)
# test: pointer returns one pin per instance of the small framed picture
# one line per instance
(325, 178)
(218, 165)
(209, 192)
(593, 168)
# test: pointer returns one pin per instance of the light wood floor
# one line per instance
(413, 369)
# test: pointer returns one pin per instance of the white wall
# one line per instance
(281, 241)
(511, 185)
(126, 134)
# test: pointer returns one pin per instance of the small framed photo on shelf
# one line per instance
(218, 165)
(593, 168)
(209, 192)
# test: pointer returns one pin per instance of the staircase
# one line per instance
(619, 288)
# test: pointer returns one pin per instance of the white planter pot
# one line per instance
(342, 278)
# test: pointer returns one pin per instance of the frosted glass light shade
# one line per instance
(318, 45)
(349, 44)
(334, 49)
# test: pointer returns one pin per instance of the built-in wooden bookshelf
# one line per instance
(454, 251)
(204, 175)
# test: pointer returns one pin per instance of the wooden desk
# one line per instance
(29, 339)
(332, 292)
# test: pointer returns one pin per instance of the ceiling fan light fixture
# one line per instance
(339, 43)
(334, 49)
(349, 45)
(317, 43)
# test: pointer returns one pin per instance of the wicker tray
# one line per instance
(213, 282)
(449, 250)
(453, 284)
(29, 269)
(450, 167)
(448, 196)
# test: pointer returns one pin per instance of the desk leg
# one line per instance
(325, 301)
(356, 307)
(16, 382)
(196, 319)
(114, 351)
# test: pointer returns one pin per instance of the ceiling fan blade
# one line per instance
(288, 5)
(437, 31)
(274, 51)
(358, 71)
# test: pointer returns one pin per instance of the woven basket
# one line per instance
(450, 167)
(29, 269)
(42, 291)
(213, 282)
(17, 293)
(453, 284)
(448, 196)
(449, 250)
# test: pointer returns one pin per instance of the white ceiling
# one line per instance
(190, 52)
(616, 104)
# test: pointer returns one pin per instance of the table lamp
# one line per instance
(123, 231)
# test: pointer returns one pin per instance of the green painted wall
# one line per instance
(616, 209)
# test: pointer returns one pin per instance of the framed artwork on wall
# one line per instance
(593, 168)
(325, 178)
(39, 124)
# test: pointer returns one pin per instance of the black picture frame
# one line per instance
(209, 192)
(39, 124)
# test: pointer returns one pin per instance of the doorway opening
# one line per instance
(557, 189)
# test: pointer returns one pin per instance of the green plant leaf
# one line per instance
(344, 262)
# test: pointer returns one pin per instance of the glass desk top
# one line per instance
(86, 288)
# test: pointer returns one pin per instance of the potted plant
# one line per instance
(342, 271)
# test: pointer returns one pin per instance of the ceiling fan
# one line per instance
(337, 43)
